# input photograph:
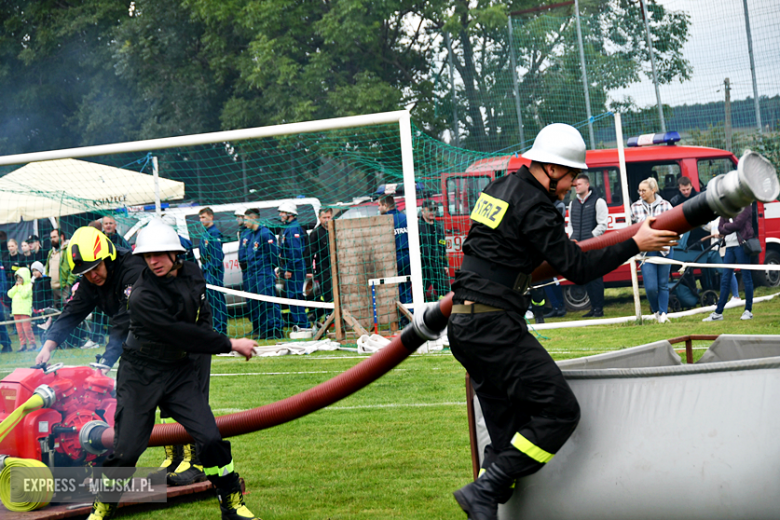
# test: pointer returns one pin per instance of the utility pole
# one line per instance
(727, 128)
(515, 87)
(455, 121)
(645, 15)
(584, 76)
(752, 67)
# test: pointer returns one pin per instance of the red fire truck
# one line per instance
(664, 160)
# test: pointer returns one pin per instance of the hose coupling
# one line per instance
(90, 437)
(47, 394)
(425, 325)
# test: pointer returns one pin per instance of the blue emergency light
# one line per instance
(650, 139)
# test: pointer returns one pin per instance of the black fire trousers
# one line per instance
(202, 364)
(143, 386)
(529, 409)
(595, 290)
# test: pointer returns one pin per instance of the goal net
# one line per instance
(283, 271)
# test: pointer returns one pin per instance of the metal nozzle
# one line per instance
(754, 179)
(47, 394)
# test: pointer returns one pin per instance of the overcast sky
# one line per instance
(718, 49)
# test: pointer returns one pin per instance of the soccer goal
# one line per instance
(341, 168)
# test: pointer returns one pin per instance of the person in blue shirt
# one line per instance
(212, 263)
(387, 207)
(261, 251)
(292, 263)
(243, 238)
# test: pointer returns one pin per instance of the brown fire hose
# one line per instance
(756, 179)
(311, 400)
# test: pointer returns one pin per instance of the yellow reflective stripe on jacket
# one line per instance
(530, 449)
(220, 472)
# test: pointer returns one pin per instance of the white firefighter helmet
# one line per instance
(157, 237)
(561, 144)
(170, 220)
(288, 207)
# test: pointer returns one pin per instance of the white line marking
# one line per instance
(358, 407)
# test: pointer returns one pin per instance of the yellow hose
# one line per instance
(40, 498)
(15, 417)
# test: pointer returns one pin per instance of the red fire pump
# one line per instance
(48, 414)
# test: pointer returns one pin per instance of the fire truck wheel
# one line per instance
(576, 298)
(768, 278)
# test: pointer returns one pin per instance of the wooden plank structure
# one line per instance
(176, 495)
(362, 249)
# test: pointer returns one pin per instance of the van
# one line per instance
(188, 226)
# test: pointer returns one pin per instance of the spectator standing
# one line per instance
(291, 261)
(387, 207)
(212, 262)
(58, 268)
(5, 339)
(109, 229)
(36, 253)
(41, 287)
(655, 277)
(554, 292)
(243, 239)
(433, 251)
(318, 255)
(261, 251)
(588, 218)
(686, 191)
(716, 238)
(42, 297)
(21, 295)
(13, 261)
(26, 256)
(735, 230)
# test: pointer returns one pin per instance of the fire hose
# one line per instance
(726, 195)
(42, 398)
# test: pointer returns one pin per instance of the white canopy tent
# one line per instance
(69, 186)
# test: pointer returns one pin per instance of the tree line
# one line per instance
(86, 72)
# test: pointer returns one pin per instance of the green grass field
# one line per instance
(398, 448)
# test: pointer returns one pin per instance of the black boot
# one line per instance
(189, 471)
(231, 499)
(173, 457)
(480, 499)
(598, 312)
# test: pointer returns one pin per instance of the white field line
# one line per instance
(357, 407)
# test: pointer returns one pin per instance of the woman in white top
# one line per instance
(654, 277)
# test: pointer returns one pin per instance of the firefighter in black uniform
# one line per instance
(169, 318)
(433, 251)
(529, 409)
(107, 277)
